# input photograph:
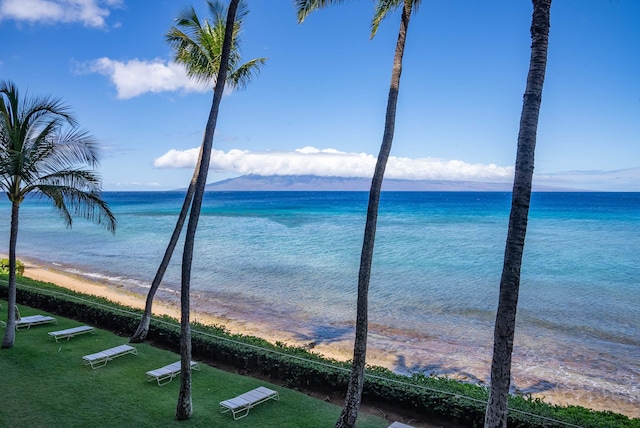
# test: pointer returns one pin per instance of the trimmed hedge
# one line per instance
(423, 396)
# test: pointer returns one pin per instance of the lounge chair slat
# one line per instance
(166, 374)
(100, 359)
(25, 323)
(239, 406)
(71, 332)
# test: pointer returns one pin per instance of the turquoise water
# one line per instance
(290, 260)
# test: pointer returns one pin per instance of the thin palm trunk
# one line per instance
(184, 407)
(194, 43)
(10, 331)
(353, 397)
(143, 328)
(496, 413)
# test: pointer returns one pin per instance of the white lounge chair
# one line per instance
(100, 359)
(167, 373)
(240, 405)
(26, 322)
(397, 424)
(70, 332)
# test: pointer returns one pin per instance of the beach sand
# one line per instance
(337, 350)
(341, 349)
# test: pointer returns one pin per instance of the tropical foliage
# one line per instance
(198, 46)
(43, 152)
(4, 267)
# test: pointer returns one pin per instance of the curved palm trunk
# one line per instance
(143, 328)
(496, 414)
(184, 407)
(353, 397)
(10, 331)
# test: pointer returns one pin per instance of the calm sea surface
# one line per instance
(290, 259)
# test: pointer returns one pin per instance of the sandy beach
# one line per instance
(337, 349)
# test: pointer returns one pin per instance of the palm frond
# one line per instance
(44, 151)
(188, 19)
(71, 201)
(198, 45)
(57, 199)
(73, 148)
(216, 8)
(189, 51)
(10, 110)
(80, 179)
(384, 8)
(241, 12)
(35, 108)
(243, 75)
(305, 7)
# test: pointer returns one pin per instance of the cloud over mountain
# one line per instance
(334, 163)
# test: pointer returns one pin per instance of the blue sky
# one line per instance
(318, 105)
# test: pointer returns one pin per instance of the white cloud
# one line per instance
(91, 13)
(137, 77)
(334, 163)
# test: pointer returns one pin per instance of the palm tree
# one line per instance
(496, 413)
(198, 46)
(44, 153)
(196, 53)
(353, 396)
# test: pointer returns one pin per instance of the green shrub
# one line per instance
(4, 267)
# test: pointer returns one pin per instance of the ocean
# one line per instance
(290, 260)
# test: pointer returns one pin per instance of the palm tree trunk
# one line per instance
(184, 407)
(143, 328)
(353, 397)
(10, 331)
(496, 414)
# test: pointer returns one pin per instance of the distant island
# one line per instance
(254, 182)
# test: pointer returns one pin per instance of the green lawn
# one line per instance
(45, 384)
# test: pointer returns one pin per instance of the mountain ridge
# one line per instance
(253, 182)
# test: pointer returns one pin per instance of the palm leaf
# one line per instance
(198, 46)
(44, 151)
(305, 7)
(383, 9)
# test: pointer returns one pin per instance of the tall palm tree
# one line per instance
(496, 413)
(198, 46)
(43, 152)
(353, 396)
(191, 52)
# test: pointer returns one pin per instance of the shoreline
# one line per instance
(380, 355)
(123, 296)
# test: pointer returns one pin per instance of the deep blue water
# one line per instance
(291, 259)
